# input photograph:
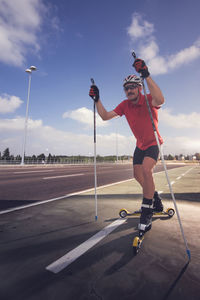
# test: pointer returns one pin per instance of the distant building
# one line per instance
(192, 157)
(181, 157)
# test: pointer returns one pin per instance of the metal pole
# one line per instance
(166, 173)
(95, 161)
(117, 142)
(95, 164)
(26, 120)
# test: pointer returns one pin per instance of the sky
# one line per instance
(71, 41)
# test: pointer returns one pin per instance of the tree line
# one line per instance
(6, 156)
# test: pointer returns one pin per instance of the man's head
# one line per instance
(132, 87)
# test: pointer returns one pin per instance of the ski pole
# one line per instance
(95, 162)
(164, 165)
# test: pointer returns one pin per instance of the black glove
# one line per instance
(141, 67)
(94, 93)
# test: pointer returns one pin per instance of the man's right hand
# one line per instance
(94, 93)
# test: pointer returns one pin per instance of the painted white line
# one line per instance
(62, 176)
(26, 172)
(179, 177)
(160, 192)
(102, 167)
(71, 256)
(66, 196)
(189, 170)
(172, 182)
(59, 198)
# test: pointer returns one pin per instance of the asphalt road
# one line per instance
(25, 185)
(33, 238)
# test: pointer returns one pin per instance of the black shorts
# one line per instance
(139, 154)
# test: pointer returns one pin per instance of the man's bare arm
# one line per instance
(104, 114)
(157, 96)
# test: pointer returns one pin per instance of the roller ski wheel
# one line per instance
(170, 212)
(137, 244)
(123, 213)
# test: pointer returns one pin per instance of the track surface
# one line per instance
(35, 237)
(24, 185)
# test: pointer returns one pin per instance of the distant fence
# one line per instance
(68, 162)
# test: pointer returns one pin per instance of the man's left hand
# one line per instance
(141, 67)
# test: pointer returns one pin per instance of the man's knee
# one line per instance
(147, 172)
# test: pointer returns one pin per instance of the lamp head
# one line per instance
(28, 71)
(33, 68)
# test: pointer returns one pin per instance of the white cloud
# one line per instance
(20, 21)
(9, 104)
(149, 49)
(181, 145)
(85, 116)
(139, 28)
(17, 124)
(191, 120)
(185, 56)
(41, 137)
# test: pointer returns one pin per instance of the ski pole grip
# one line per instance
(134, 55)
(92, 80)
(93, 83)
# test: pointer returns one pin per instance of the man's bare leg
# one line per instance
(144, 176)
(148, 181)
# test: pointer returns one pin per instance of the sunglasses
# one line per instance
(132, 87)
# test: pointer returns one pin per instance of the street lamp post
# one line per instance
(29, 71)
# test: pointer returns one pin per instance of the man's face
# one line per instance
(132, 91)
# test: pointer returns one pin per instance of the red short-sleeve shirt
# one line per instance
(139, 120)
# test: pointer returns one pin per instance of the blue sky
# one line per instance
(70, 42)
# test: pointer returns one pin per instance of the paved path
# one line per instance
(25, 185)
(34, 238)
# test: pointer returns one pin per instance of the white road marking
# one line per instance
(59, 198)
(160, 192)
(71, 256)
(179, 177)
(25, 172)
(102, 167)
(172, 182)
(67, 196)
(62, 176)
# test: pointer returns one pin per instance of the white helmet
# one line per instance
(132, 79)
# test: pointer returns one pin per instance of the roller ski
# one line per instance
(148, 209)
(123, 213)
(158, 209)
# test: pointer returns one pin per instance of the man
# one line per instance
(146, 151)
